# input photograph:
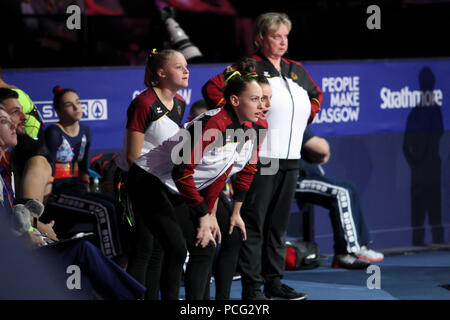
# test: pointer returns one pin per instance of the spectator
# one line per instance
(351, 235)
(68, 142)
(8, 138)
(197, 108)
(107, 278)
(30, 156)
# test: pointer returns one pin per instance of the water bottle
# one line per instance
(96, 186)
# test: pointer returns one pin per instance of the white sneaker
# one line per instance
(369, 254)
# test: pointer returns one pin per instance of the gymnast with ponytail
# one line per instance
(152, 117)
(71, 204)
(182, 179)
(232, 227)
(68, 142)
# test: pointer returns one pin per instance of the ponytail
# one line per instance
(156, 60)
(58, 94)
(237, 78)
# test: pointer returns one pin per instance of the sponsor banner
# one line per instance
(360, 97)
(94, 109)
(105, 94)
(370, 97)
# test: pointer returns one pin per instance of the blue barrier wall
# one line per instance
(372, 111)
(376, 165)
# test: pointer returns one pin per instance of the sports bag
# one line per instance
(302, 255)
(106, 167)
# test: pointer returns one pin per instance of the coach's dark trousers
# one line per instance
(265, 212)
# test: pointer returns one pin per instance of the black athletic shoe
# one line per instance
(254, 295)
(349, 261)
(284, 292)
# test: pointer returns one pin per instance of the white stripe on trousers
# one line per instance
(345, 211)
(101, 214)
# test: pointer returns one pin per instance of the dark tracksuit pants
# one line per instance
(341, 198)
(266, 212)
(76, 210)
(170, 221)
(145, 259)
(143, 250)
(107, 278)
(227, 253)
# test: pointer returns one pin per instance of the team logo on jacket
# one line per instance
(179, 110)
(294, 76)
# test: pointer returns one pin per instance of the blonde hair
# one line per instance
(154, 62)
(267, 23)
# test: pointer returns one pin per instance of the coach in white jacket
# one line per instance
(295, 101)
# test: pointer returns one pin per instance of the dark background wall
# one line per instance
(383, 177)
(322, 30)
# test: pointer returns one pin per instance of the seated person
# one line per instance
(108, 279)
(351, 234)
(197, 108)
(30, 156)
(68, 143)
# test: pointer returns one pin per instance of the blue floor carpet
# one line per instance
(421, 275)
